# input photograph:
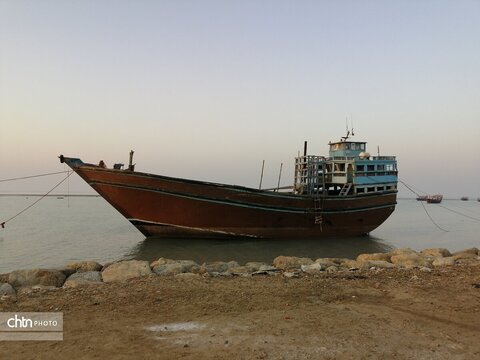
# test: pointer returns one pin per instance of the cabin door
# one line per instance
(350, 173)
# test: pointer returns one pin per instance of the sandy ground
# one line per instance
(392, 313)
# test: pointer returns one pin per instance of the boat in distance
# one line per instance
(434, 199)
(348, 193)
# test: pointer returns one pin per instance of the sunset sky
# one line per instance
(208, 89)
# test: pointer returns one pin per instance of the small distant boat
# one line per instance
(464, 198)
(434, 199)
(60, 197)
(422, 198)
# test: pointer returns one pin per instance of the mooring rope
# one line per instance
(34, 176)
(459, 213)
(2, 224)
(424, 208)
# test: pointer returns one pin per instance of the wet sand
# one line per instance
(366, 314)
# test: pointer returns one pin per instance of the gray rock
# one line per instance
(176, 268)
(327, 262)
(409, 260)
(314, 268)
(84, 266)
(93, 276)
(83, 278)
(378, 264)
(32, 277)
(268, 268)
(331, 269)
(165, 261)
(124, 270)
(436, 252)
(256, 266)
(7, 290)
(218, 266)
(444, 261)
(291, 262)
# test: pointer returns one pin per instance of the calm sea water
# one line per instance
(57, 231)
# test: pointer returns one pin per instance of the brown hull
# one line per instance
(168, 207)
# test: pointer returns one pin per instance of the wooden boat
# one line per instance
(434, 199)
(464, 198)
(347, 193)
(422, 198)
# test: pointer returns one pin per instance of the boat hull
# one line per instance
(161, 206)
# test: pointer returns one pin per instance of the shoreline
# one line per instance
(293, 308)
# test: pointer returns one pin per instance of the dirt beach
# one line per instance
(364, 314)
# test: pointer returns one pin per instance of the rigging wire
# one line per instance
(459, 213)
(34, 176)
(2, 224)
(424, 208)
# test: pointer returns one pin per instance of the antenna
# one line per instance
(351, 122)
(344, 138)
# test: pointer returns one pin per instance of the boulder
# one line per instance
(436, 252)
(3, 278)
(409, 260)
(218, 266)
(83, 278)
(92, 276)
(327, 262)
(239, 270)
(464, 256)
(379, 264)
(291, 262)
(165, 261)
(7, 290)
(474, 251)
(257, 266)
(331, 269)
(183, 266)
(443, 261)
(374, 257)
(314, 268)
(124, 270)
(351, 264)
(84, 266)
(402, 251)
(367, 264)
(32, 277)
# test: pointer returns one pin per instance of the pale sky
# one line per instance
(208, 89)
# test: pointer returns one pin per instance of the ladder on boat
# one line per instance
(345, 189)
(317, 211)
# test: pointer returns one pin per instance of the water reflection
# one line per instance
(244, 250)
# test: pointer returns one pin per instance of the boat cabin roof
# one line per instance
(347, 148)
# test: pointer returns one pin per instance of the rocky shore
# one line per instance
(90, 272)
(401, 304)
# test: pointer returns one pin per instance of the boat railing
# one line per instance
(390, 158)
